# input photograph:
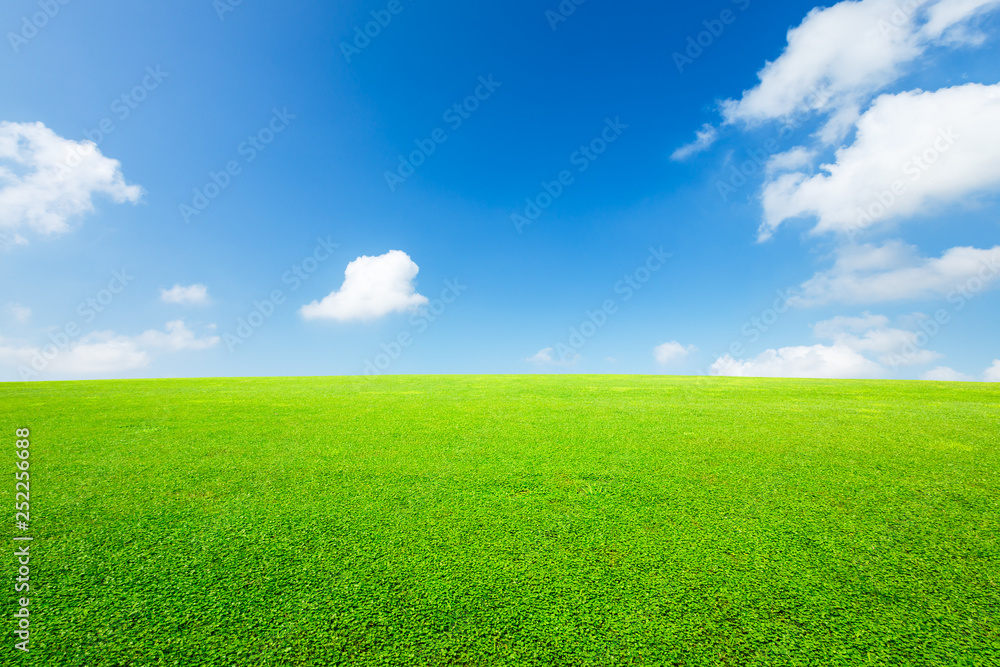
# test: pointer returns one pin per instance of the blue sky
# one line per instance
(247, 140)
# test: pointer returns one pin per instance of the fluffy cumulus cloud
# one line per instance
(817, 361)
(672, 352)
(872, 335)
(992, 373)
(857, 347)
(895, 271)
(46, 180)
(840, 56)
(100, 353)
(373, 287)
(913, 152)
(193, 295)
(704, 138)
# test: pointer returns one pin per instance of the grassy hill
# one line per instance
(571, 520)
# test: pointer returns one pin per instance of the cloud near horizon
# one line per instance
(544, 358)
(946, 374)
(862, 347)
(102, 353)
(672, 352)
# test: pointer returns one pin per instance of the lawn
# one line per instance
(537, 520)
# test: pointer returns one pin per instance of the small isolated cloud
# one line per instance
(544, 358)
(192, 295)
(19, 312)
(373, 287)
(992, 373)
(859, 347)
(672, 352)
(46, 180)
(704, 138)
(895, 271)
(913, 151)
(945, 374)
(102, 353)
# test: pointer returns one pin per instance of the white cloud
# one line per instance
(45, 180)
(704, 138)
(945, 374)
(102, 353)
(544, 358)
(860, 347)
(913, 151)
(795, 158)
(195, 295)
(672, 352)
(872, 334)
(895, 271)
(946, 18)
(817, 361)
(851, 325)
(373, 287)
(19, 312)
(840, 56)
(177, 337)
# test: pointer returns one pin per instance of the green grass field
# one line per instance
(571, 520)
